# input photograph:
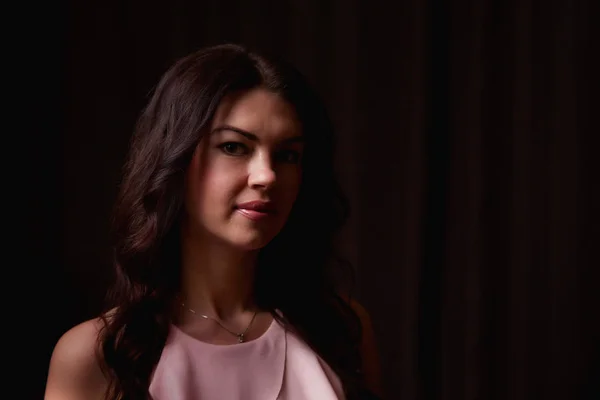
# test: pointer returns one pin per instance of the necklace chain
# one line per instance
(240, 336)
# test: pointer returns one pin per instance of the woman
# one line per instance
(224, 230)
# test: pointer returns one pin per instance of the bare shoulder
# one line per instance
(74, 371)
(360, 311)
(369, 349)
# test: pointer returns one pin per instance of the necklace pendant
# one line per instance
(241, 338)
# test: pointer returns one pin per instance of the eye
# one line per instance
(289, 156)
(234, 148)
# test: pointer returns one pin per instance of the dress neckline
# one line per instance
(268, 332)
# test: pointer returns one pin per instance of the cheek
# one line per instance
(219, 185)
(208, 185)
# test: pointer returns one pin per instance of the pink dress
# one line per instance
(277, 365)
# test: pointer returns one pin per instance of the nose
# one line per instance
(261, 174)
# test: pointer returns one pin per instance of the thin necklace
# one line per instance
(240, 336)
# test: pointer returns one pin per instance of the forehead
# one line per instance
(263, 113)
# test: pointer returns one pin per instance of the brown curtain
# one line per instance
(466, 146)
(518, 321)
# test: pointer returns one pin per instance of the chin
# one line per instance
(246, 236)
(250, 242)
(248, 246)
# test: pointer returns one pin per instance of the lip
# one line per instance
(257, 205)
(256, 210)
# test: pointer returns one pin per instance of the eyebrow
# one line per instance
(251, 136)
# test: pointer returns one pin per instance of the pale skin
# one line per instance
(252, 152)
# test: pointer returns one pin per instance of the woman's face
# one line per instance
(245, 174)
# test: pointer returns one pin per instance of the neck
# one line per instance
(216, 279)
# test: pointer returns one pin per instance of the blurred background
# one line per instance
(467, 146)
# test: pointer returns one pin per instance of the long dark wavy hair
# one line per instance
(294, 271)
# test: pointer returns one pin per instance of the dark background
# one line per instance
(467, 146)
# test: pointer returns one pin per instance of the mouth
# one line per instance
(256, 210)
